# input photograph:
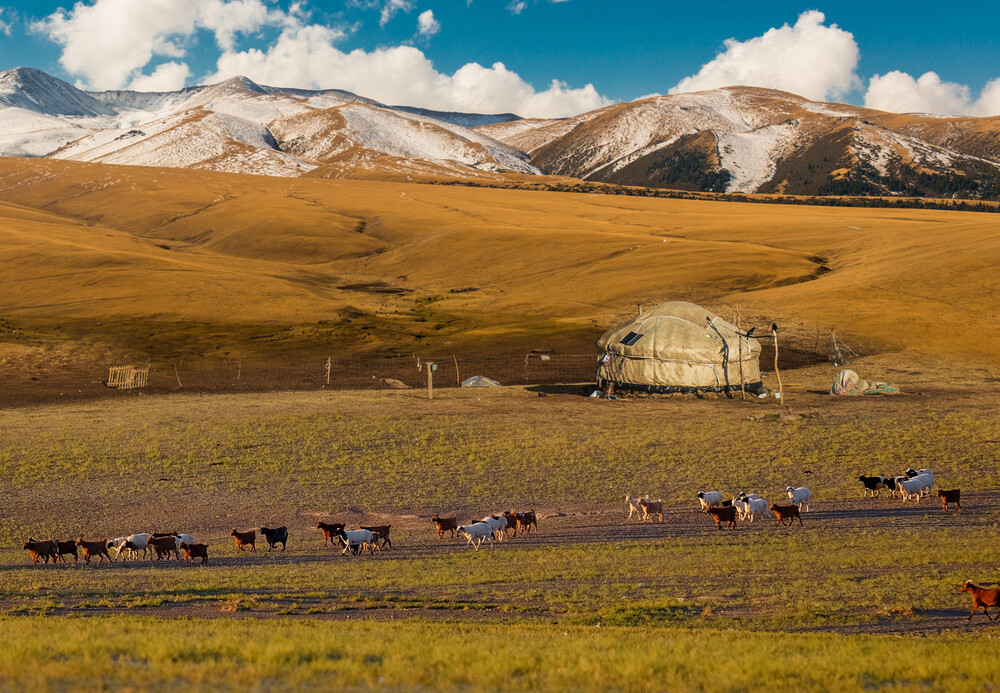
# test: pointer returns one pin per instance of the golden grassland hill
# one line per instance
(138, 262)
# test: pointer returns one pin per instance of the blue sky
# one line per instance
(899, 57)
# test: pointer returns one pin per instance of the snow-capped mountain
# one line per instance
(228, 127)
(743, 139)
(737, 139)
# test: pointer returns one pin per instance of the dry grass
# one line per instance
(546, 266)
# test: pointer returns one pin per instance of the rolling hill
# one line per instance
(140, 261)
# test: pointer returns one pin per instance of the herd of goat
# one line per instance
(745, 507)
(161, 545)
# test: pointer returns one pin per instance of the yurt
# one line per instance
(678, 347)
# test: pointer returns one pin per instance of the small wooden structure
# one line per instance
(128, 377)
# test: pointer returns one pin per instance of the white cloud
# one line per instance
(108, 42)
(391, 8)
(166, 77)
(4, 26)
(427, 25)
(900, 93)
(809, 59)
(305, 57)
(516, 6)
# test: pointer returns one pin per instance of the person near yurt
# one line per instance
(678, 347)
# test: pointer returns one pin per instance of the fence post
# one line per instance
(430, 380)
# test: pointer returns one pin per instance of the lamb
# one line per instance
(742, 508)
(799, 496)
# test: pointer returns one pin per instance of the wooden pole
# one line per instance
(239, 369)
(739, 331)
(774, 333)
(178, 376)
(328, 363)
(458, 378)
(430, 380)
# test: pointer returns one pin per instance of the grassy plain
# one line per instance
(589, 602)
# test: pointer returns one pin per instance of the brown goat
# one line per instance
(791, 512)
(329, 531)
(94, 548)
(245, 539)
(724, 514)
(41, 549)
(445, 524)
(511, 530)
(193, 551)
(981, 597)
(380, 534)
(163, 546)
(952, 496)
(650, 508)
(525, 521)
(66, 547)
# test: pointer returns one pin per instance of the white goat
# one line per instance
(476, 533)
(799, 495)
(497, 526)
(910, 487)
(633, 506)
(709, 499)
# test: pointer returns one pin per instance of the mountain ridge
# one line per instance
(735, 139)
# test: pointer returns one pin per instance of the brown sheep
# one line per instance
(245, 539)
(786, 511)
(952, 496)
(94, 548)
(982, 598)
(724, 514)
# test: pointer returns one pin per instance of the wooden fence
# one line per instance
(128, 377)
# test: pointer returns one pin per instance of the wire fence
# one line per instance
(321, 371)
(369, 373)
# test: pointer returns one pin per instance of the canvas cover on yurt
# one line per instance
(678, 347)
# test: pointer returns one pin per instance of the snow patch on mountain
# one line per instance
(751, 157)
